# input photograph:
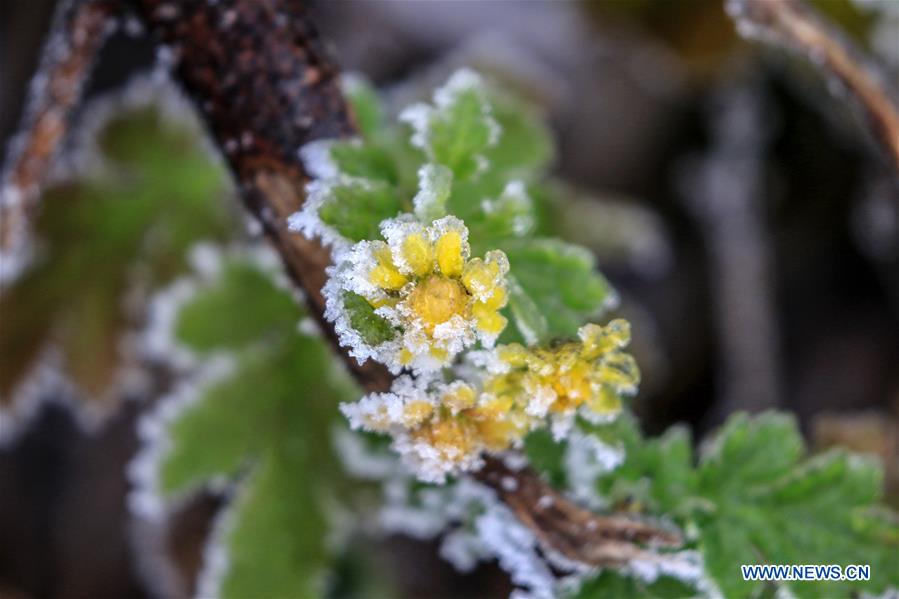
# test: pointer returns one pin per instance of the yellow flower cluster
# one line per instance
(443, 429)
(424, 283)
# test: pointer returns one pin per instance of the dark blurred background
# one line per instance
(738, 206)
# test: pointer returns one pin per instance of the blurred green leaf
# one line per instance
(104, 234)
(243, 307)
(269, 416)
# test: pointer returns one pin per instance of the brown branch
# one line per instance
(78, 32)
(794, 24)
(259, 74)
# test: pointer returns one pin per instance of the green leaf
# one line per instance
(754, 498)
(100, 233)
(434, 185)
(609, 584)
(275, 544)
(458, 128)
(217, 317)
(364, 104)
(356, 207)
(560, 280)
(373, 328)
(363, 160)
(267, 423)
(525, 145)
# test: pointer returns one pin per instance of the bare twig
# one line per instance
(260, 76)
(78, 32)
(795, 25)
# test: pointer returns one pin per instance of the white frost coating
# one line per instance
(43, 384)
(514, 199)
(146, 500)
(586, 458)
(316, 157)
(419, 116)
(434, 182)
(515, 547)
(157, 341)
(215, 555)
(306, 222)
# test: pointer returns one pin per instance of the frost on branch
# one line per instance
(418, 299)
(442, 428)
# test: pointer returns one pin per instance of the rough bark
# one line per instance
(78, 33)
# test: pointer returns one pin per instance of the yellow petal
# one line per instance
(498, 299)
(488, 319)
(418, 254)
(449, 253)
(386, 277)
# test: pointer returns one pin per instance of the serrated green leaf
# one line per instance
(457, 131)
(218, 318)
(754, 499)
(356, 207)
(266, 421)
(373, 328)
(560, 279)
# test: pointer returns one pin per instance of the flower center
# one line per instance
(437, 300)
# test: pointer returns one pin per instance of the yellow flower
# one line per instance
(592, 373)
(422, 280)
(442, 429)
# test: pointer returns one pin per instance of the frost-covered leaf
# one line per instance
(356, 207)
(561, 281)
(105, 234)
(265, 421)
(754, 498)
(458, 129)
(373, 328)
(435, 183)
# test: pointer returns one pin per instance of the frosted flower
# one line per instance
(422, 282)
(588, 376)
(438, 429)
(442, 429)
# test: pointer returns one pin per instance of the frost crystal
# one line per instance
(425, 300)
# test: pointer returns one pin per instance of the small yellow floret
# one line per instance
(385, 275)
(449, 254)
(488, 319)
(418, 254)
